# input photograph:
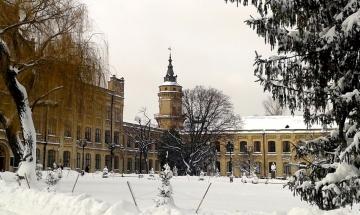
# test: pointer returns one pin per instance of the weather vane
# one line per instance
(169, 50)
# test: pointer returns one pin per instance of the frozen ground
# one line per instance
(96, 195)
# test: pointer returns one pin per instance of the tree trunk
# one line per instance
(20, 97)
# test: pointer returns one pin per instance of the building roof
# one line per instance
(276, 123)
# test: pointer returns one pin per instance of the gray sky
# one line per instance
(211, 45)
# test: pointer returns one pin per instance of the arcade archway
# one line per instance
(4, 157)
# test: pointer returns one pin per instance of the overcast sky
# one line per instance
(211, 46)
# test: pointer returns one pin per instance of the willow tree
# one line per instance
(316, 69)
(35, 36)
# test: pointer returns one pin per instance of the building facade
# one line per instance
(77, 126)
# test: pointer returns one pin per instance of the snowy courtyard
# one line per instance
(96, 195)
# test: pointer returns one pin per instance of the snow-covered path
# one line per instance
(95, 195)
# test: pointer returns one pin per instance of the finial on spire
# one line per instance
(169, 53)
(170, 73)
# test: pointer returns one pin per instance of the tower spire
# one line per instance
(170, 77)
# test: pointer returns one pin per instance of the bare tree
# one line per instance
(144, 136)
(272, 107)
(28, 32)
(208, 113)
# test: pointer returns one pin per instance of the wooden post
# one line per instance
(75, 183)
(27, 181)
(203, 198)
(132, 194)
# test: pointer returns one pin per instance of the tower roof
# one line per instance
(170, 77)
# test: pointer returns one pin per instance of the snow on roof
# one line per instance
(275, 123)
(169, 83)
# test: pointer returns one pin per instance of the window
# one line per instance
(37, 155)
(243, 146)
(229, 147)
(107, 137)
(118, 115)
(229, 166)
(51, 158)
(66, 158)
(218, 166)
(287, 169)
(150, 164)
(88, 134)
(98, 135)
(67, 129)
(271, 146)
(286, 146)
(257, 146)
(78, 157)
(137, 164)
(129, 164)
(136, 145)
(88, 160)
(116, 162)
(108, 112)
(108, 161)
(128, 144)
(156, 146)
(217, 146)
(97, 161)
(116, 137)
(157, 165)
(52, 126)
(78, 132)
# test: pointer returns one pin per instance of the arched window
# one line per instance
(271, 146)
(286, 169)
(150, 164)
(78, 157)
(129, 165)
(243, 146)
(116, 162)
(51, 158)
(286, 146)
(97, 161)
(66, 158)
(108, 161)
(229, 166)
(229, 147)
(88, 160)
(217, 146)
(257, 146)
(218, 166)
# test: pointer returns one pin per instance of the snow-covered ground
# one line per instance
(96, 195)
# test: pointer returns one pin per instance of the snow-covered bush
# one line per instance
(175, 171)
(217, 172)
(151, 174)
(201, 176)
(244, 178)
(51, 180)
(38, 171)
(165, 189)
(105, 172)
(59, 172)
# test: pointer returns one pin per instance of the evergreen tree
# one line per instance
(316, 70)
(165, 189)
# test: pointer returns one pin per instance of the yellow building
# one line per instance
(263, 141)
(92, 116)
